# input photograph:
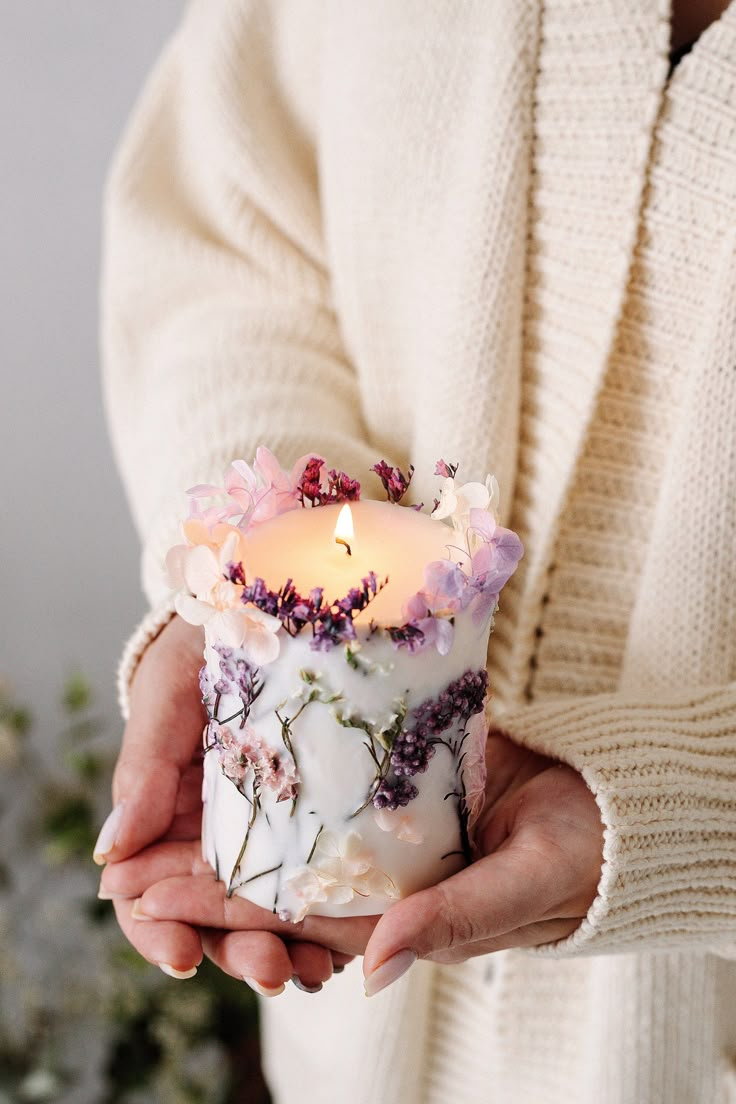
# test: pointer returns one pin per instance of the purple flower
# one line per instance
(315, 488)
(234, 573)
(395, 483)
(464, 697)
(409, 636)
(393, 795)
(411, 752)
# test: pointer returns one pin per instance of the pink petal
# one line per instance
(174, 565)
(204, 490)
(201, 570)
(260, 646)
(229, 627)
(482, 523)
(192, 610)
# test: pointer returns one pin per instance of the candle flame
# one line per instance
(344, 530)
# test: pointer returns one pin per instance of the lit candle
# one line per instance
(395, 542)
(345, 683)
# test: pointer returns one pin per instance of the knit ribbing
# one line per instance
(468, 231)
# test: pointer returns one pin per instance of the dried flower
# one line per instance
(395, 483)
(319, 488)
(243, 751)
(447, 471)
(339, 870)
(474, 769)
(403, 827)
(394, 794)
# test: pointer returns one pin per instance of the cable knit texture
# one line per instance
(498, 233)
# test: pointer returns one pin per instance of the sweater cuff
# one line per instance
(149, 628)
(663, 777)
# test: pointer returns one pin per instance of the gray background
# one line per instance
(69, 73)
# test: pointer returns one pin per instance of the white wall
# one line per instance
(69, 72)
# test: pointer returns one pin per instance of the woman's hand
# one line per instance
(158, 810)
(540, 842)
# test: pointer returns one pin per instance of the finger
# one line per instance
(160, 739)
(532, 935)
(495, 895)
(340, 961)
(132, 877)
(256, 957)
(186, 827)
(175, 948)
(555, 817)
(508, 767)
(202, 901)
(312, 965)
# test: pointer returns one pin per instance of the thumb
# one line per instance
(490, 897)
(160, 740)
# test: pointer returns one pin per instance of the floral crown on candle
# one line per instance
(210, 569)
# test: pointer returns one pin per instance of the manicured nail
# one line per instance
(337, 969)
(108, 835)
(138, 914)
(106, 895)
(180, 974)
(263, 990)
(389, 972)
(297, 981)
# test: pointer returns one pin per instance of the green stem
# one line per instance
(231, 888)
(262, 874)
(314, 845)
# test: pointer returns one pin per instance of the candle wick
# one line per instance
(339, 540)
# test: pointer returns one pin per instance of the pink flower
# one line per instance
(273, 771)
(474, 767)
(444, 586)
(266, 489)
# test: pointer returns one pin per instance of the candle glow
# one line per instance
(344, 529)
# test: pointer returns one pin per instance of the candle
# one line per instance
(344, 679)
(396, 542)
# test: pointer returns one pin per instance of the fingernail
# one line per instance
(306, 988)
(180, 974)
(106, 895)
(263, 990)
(138, 914)
(337, 969)
(108, 835)
(389, 972)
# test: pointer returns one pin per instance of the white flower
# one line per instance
(456, 502)
(339, 870)
(402, 825)
(215, 599)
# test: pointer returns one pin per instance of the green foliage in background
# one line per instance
(115, 1030)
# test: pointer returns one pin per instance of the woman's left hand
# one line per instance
(539, 842)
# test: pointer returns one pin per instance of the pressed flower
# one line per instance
(395, 483)
(402, 826)
(338, 870)
(243, 751)
(474, 767)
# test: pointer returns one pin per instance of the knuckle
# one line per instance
(453, 926)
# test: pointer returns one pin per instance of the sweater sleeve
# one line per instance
(218, 327)
(664, 776)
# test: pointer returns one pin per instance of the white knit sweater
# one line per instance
(491, 232)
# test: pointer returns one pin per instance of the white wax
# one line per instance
(393, 541)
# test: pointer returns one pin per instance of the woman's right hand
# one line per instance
(154, 829)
